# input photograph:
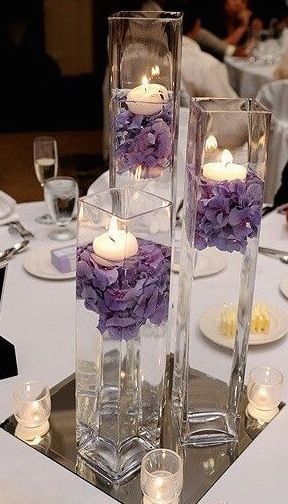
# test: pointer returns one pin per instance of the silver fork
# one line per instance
(17, 227)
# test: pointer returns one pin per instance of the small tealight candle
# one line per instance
(161, 477)
(32, 407)
(264, 393)
(115, 244)
(224, 169)
(147, 99)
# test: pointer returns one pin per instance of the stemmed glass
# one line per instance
(46, 165)
(61, 194)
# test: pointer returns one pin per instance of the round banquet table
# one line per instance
(247, 78)
(37, 316)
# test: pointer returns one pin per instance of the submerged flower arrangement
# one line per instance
(228, 213)
(128, 293)
(143, 141)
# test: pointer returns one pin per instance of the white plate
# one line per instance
(7, 205)
(209, 262)
(38, 263)
(284, 286)
(209, 324)
(100, 184)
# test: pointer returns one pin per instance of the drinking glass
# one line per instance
(61, 194)
(46, 165)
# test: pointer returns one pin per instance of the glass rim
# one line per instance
(25, 383)
(60, 178)
(84, 199)
(44, 139)
(195, 102)
(147, 15)
(279, 373)
(175, 455)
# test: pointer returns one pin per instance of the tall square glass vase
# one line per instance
(145, 57)
(122, 279)
(226, 159)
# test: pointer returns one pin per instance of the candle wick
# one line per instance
(112, 239)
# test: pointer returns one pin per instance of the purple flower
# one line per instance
(144, 141)
(129, 293)
(228, 213)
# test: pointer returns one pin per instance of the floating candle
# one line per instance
(147, 99)
(116, 244)
(224, 169)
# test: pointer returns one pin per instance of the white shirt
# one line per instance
(202, 74)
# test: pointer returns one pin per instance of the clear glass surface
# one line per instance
(45, 156)
(122, 280)
(61, 194)
(225, 171)
(32, 404)
(145, 54)
(161, 476)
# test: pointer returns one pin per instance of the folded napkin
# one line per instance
(7, 209)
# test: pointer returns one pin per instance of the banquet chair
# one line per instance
(274, 96)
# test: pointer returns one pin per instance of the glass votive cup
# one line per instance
(32, 408)
(161, 477)
(264, 392)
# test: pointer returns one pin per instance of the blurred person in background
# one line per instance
(202, 74)
(206, 39)
(232, 21)
(270, 12)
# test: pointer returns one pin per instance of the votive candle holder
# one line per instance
(161, 477)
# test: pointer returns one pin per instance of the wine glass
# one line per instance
(46, 165)
(61, 194)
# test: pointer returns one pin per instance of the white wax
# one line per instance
(147, 99)
(261, 415)
(224, 169)
(160, 487)
(116, 244)
(262, 398)
(31, 414)
(219, 171)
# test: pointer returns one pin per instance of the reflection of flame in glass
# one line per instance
(155, 71)
(226, 156)
(138, 173)
(145, 83)
(113, 226)
(211, 144)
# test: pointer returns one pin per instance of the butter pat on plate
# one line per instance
(64, 258)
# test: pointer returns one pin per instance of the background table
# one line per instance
(38, 317)
(247, 78)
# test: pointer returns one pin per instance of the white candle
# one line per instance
(224, 169)
(116, 244)
(262, 404)
(147, 99)
(160, 488)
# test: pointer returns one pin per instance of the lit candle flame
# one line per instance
(226, 157)
(155, 71)
(211, 144)
(145, 83)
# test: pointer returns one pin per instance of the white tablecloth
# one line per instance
(38, 317)
(247, 78)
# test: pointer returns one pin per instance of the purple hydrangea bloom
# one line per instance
(144, 141)
(128, 293)
(228, 213)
